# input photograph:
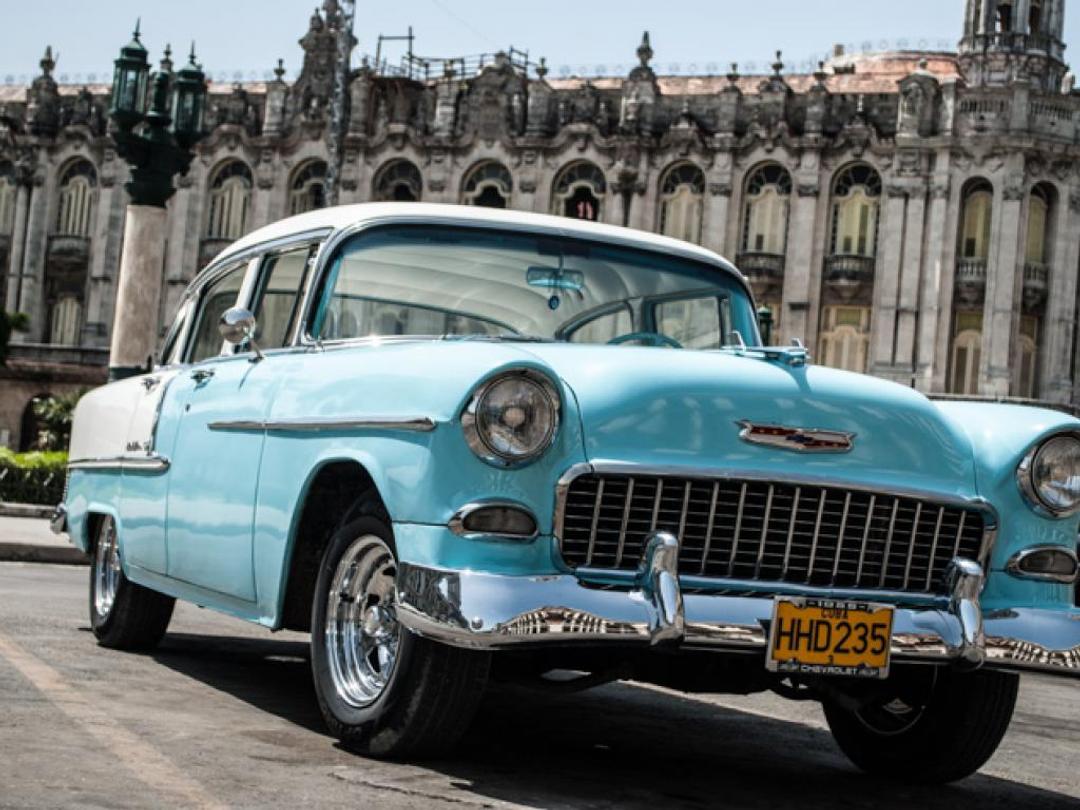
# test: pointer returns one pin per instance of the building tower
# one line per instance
(1008, 41)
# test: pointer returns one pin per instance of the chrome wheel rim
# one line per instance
(362, 634)
(106, 569)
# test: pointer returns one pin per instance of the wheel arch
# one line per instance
(336, 491)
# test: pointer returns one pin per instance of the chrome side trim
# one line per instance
(151, 464)
(456, 524)
(1013, 565)
(417, 424)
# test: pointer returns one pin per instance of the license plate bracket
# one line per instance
(846, 638)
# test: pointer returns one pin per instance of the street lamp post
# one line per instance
(158, 120)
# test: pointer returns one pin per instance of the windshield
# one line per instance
(476, 283)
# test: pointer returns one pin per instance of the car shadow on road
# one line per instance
(619, 745)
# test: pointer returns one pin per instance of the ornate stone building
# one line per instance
(914, 215)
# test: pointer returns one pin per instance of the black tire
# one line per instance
(431, 692)
(137, 617)
(946, 736)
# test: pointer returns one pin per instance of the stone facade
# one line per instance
(913, 215)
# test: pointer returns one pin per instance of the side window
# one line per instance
(170, 350)
(694, 322)
(281, 280)
(217, 298)
(603, 328)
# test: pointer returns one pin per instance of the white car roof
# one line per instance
(343, 216)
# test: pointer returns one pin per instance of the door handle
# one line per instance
(201, 375)
(150, 383)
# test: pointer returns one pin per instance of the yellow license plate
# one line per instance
(829, 637)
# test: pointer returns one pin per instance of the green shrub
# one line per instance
(32, 477)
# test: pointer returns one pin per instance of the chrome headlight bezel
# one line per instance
(1026, 472)
(481, 445)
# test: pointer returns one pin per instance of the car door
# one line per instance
(224, 397)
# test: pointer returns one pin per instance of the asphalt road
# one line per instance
(223, 714)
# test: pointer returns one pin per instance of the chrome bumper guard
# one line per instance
(491, 611)
(58, 521)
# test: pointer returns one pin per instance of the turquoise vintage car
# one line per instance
(453, 441)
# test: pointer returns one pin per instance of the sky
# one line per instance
(244, 38)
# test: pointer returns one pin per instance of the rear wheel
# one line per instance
(938, 727)
(381, 689)
(123, 615)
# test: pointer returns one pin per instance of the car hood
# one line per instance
(662, 408)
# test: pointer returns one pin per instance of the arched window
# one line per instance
(1004, 20)
(967, 351)
(1038, 226)
(65, 320)
(579, 191)
(856, 198)
(975, 223)
(77, 183)
(397, 181)
(230, 199)
(1026, 356)
(7, 198)
(845, 341)
(765, 219)
(487, 184)
(1035, 17)
(307, 190)
(682, 194)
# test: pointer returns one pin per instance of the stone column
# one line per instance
(18, 248)
(907, 309)
(887, 280)
(799, 264)
(1059, 331)
(714, 217)
(937, 280)
(32, 298)
(178, 268)
(135, 327)
(102, 260)
(999, 309)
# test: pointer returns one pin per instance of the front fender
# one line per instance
(1000, 436)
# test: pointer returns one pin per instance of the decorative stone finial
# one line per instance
(733, 74)
(644, 50)
(166, 60)
(820, 75)
(279, 71)
(542, 68)
(48, 61)
(135, 34)
(778, 65)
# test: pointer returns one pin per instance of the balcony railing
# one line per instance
(1036, 284)
(971, 280)
(847, 275)
(764, 270)
(69, 249)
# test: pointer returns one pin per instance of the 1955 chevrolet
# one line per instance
(452, 442)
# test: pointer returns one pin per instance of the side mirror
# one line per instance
(237, 326)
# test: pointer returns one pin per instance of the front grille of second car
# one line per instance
(764, 531)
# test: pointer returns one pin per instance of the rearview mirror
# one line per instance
(555, 278)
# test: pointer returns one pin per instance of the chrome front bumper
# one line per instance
(490, 611)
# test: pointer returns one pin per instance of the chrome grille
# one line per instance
(768, 531)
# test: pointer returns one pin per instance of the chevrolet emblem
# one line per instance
(801, 440)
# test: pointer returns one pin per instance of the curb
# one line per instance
(57, 555)
(25, 510)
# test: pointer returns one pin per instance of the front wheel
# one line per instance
(935, 728)
(381, 689)
(123, 615)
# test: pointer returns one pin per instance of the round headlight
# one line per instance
(512, 419)
(1050, 475)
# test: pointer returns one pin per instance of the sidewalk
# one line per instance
(25, 536)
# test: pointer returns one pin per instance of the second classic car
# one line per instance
(451, 442)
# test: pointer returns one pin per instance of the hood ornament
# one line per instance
(799, 440)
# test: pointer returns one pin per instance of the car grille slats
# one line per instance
(769, 531)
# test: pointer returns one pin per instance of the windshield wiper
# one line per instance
(500, 338)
